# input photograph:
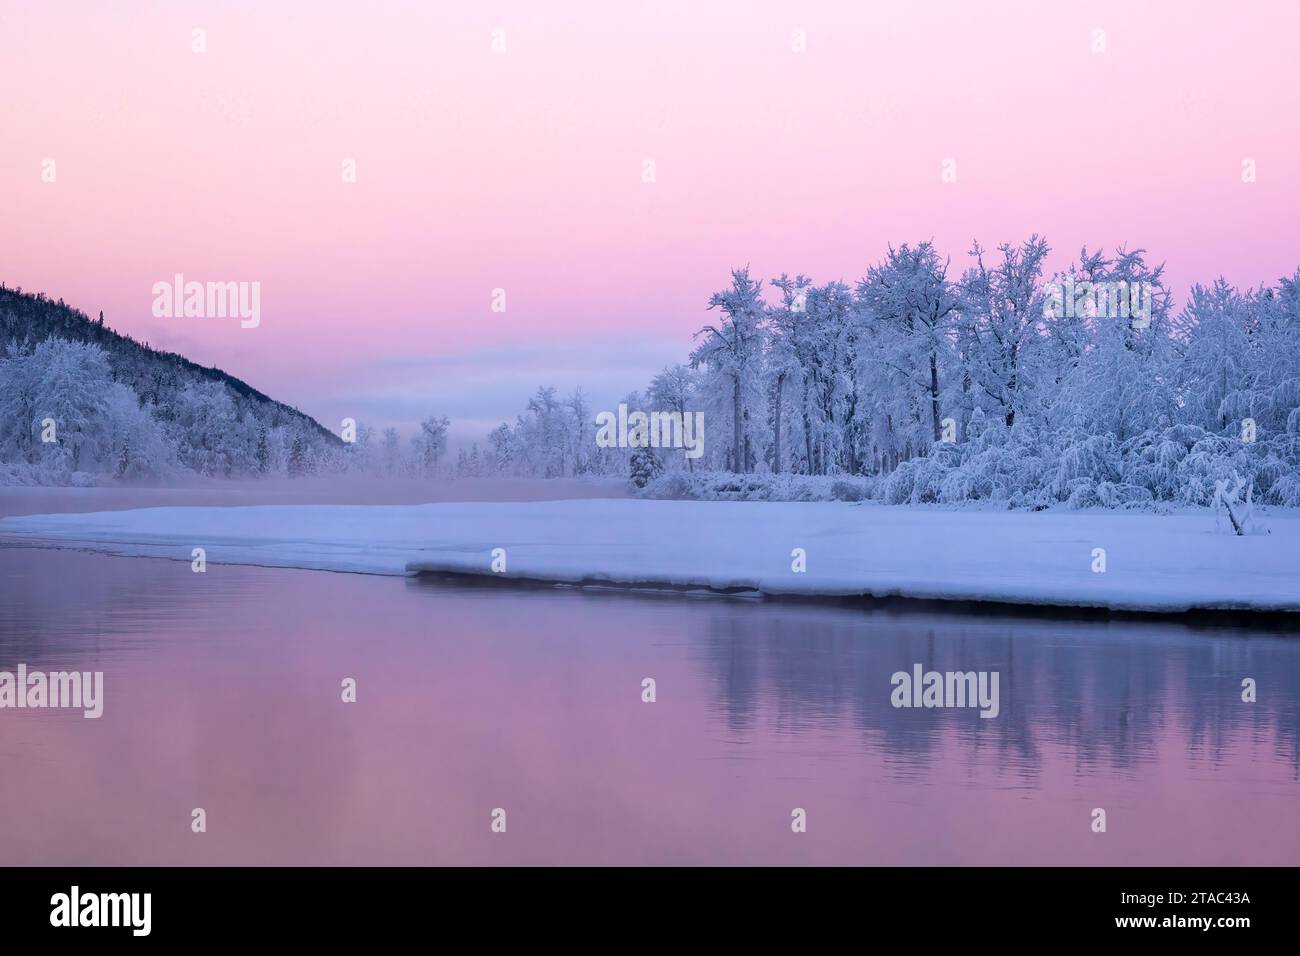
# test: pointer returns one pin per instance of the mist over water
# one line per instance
(222, 691)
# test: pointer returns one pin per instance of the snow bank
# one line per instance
(1153, 562)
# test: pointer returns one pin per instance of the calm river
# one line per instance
(222, 692)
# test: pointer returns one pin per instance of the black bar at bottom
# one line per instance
(333, 906)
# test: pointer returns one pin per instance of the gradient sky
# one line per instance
(522, 170)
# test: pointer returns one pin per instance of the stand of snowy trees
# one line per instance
(921, 382)
(925, 383)
(422, 455)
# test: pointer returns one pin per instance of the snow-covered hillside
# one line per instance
(81, 403)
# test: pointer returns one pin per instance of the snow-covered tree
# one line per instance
(1000, 321)
(732, 357)
(431, 443)
(58, 388)
(909, 309)
(786, 360)
(674, 390)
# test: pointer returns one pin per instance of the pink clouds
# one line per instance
(522, 170)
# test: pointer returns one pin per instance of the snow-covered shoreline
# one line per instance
(1166, 564)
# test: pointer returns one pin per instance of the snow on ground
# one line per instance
(1153, 562)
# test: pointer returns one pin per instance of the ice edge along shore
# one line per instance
(1152, 563)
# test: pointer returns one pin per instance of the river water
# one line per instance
(223, 692)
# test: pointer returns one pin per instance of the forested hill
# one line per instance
(185, 416)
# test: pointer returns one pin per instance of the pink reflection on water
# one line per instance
(223, 692)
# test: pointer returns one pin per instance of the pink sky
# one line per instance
(522, 170)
